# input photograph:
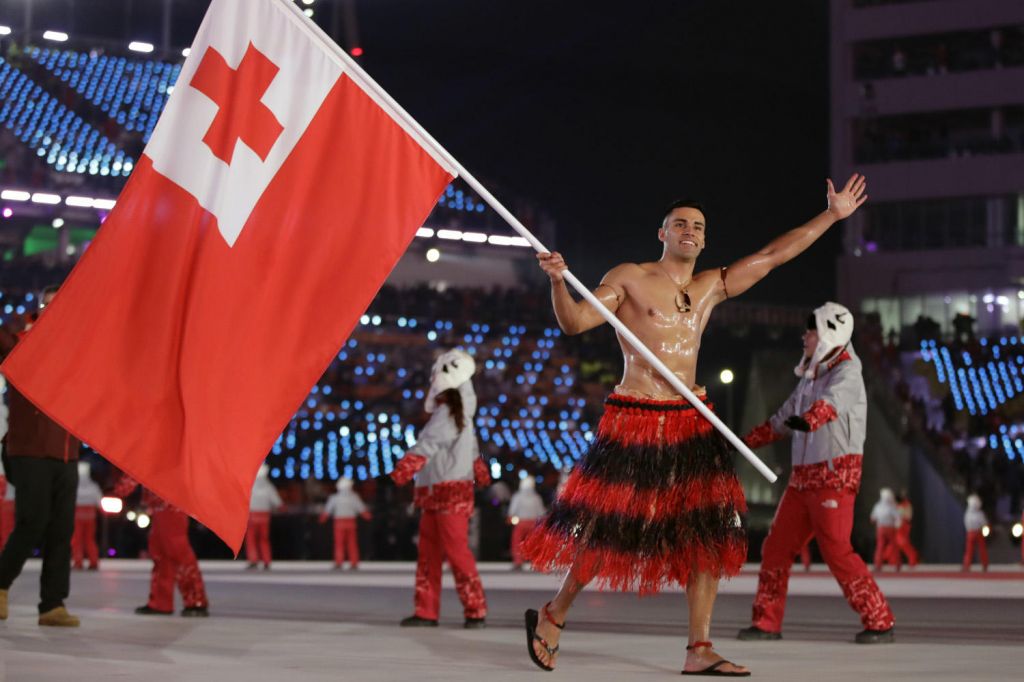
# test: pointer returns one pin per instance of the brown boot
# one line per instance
(3, 604)
(59, 617)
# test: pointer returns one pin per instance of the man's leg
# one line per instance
(252, 555)
(339, 542)
(701, 591)
(187, 574)
(263, 538)
(55, 580)
(31, 516)
(352, 543)
(77, 541)
(968, 551)
(879, 547)
(833, 522)
(454, 533)
(790, 530)
(161, 582)
(520, 531)
(92, 550)
(428, 568)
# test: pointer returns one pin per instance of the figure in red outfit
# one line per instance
(976, 525)
(87, 499)
(906, 548)
(174, 561)
(523, 511)
(446, 461)
(826, 416)
(345, 506)
(264, 500)
(886, 517)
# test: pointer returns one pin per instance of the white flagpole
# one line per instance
(356, 72)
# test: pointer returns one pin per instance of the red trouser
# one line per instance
(173, 561)
(904, 546)
(828, 516)
(446, 536)
(6, 520)
(975, 539)
(346, 541)
(886, 548)
(257, 538)
(83, 542)
(519, 532)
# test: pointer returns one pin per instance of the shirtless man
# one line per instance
(655, 499)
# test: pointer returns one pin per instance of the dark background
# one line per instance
(601, 112)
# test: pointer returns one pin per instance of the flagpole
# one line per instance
(370, 86)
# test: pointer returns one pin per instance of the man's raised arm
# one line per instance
(576, 317)
(748, 271)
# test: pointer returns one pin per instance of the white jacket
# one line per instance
(527, 505)
(344, 504)
(974, 519)
(886, 515)
(88, 493)
(264, 496)
(842, 387)
(450, 453)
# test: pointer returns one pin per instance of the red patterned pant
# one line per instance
(886, 547)
(519, 533)
(173, 561)
(445, 536)
(6, 520)
(83, 542)
(346, 541)
(828, 516)
(257, 538)
(903, 544)
(975, 539)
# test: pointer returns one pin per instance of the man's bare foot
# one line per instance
(550, 634)
(703, 657)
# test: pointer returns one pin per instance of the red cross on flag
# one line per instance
(274, 198)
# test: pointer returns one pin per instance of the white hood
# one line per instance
(451, 370)
(835, 329)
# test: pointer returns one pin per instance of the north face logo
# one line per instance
(830, 504)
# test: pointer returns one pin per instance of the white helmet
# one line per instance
(834, 324)
(527, 483)
(344, 484)
(84, 470)
(451, 370)
(886, 495)
(973, 502)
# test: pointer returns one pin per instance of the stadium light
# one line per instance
(111, 505)
(143, 520)
(104, 204)
(57, 223)
(79, 202)
(985, 531)
(449, 234)
(726, 377)
(424, 232)
(475, 237)
(139, 46)
(308, 12)
(56, 36)
(433, 255)
(44, 198)
(15, 195)
(1018, 530)
(356, 52)
(5, 30)
(8, 212)
(186, 52)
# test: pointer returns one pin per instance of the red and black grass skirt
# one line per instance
(654, 499)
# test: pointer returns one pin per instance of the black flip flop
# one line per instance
(532, 619)
(713, 670)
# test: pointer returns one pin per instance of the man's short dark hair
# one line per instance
(683, 203)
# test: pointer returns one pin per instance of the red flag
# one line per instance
(273, 200)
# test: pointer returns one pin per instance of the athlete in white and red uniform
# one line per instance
(345, 506)
(523, 511)
(262, 503)
(975, 523)
(886, 517)
(87, 499)
(446, 462)
(826, 416)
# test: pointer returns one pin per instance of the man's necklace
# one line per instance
(682, 298)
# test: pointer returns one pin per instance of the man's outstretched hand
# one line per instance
(843, 204)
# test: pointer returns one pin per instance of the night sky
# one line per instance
(604, 112)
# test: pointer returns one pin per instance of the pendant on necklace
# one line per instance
(683, 301)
